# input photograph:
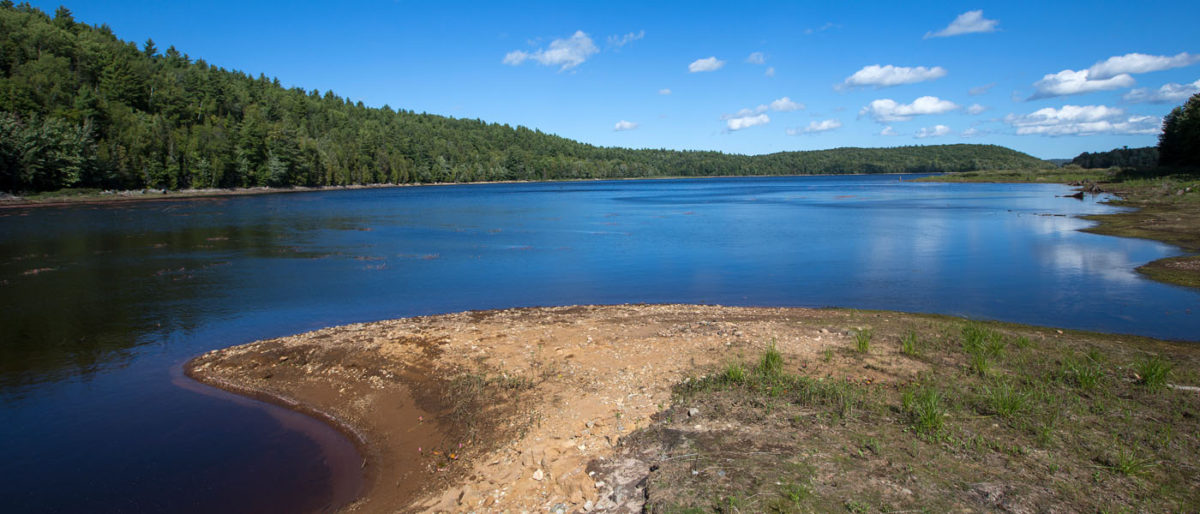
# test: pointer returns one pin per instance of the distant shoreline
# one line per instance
(152, 195)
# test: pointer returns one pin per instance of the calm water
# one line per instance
(100, 305)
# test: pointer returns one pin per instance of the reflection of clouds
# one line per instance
(1080, 261)
(930, 236)
(1046, 225)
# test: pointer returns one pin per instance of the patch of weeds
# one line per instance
(734, 373)
(980, 363)
(857, 506)
(1022, 342)
(827, 355)
(770, 365)
(910, 344)
(982, 344)
(870, 444)
(1084, 374)
(926, 410)
(1127, 462)
(793, 496)
(729, 504)
(1153, 372)
(1005, 400)
(862, 340)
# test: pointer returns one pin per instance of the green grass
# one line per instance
(926, 409)
(1127, 462)
(1005, 400)
(770, 365)
(734, 373)
(910, 344)
(1085, 374)
(862, 340)
(1036, 407)
(1153, 372)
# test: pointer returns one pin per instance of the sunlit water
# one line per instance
(100, 305)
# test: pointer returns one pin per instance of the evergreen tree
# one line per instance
(1179, 143)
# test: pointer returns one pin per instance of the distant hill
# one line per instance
(80, 107)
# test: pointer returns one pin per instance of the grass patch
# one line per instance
(862, 340)
(1153, 372)
(1128, 463)
(984, 413)
(926, 410)
(910, 344)
(1004, 399)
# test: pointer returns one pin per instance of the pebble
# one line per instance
(539, 475)
(693, 412)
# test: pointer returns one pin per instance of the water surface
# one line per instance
(100, 305)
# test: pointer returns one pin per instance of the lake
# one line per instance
(100, 305)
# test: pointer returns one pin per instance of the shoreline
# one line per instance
(580, 383)
(149, 195)
(1163, 211)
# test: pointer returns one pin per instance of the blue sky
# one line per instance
(1051, 79)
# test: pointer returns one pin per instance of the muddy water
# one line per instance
(100, 305)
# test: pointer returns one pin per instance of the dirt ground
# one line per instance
(532, 409)
(581, 378)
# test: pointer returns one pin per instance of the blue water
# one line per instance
(94, 418)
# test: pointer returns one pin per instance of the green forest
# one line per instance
(81, 108)
(1141, 158)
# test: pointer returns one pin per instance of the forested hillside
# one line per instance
(80, 107)
(1126, 157)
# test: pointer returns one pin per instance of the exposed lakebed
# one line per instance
(101, 304)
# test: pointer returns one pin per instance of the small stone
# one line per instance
(599, 484)
(588, 506)
(539, 475)
(693, 412)
(281, 359)
(590, 424)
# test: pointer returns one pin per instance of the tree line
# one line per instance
(81, 108)
(1125, 157)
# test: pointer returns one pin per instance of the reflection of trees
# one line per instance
(80, 287)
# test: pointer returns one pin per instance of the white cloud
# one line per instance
(624, 125)
(620, 41)
(887, 76)
(976, 91)
(770, 71)
(969, 22)
(828, 25)
(746, 112)
(972, 132)
(664, 91)
(1082, 120)
(816, 127)
(515, 57)
(1071, 82)
(975, 109)
(886, 109)
(747, 121)
(1168, 93)
(934, 131)
(756, 58)
(708, 64)
(888, 131)
(786, 104)
(565, 53)
(1140, 63)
